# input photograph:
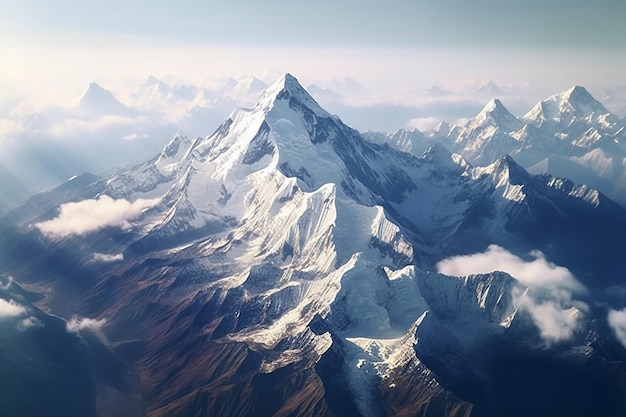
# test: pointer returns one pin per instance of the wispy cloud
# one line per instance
(5, 282)
(423, 123)
(549, 299)
(105, 257)
(135, 136)
(88, 216)
(29, 322)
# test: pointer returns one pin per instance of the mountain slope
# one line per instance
(280, 266)
(562, 136)
(566, 110)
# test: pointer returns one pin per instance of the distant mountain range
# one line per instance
(569, 135)
(100, 131)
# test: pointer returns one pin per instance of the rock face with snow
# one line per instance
(571, 112)
(409, 141)
(282, 266)
(569, 135)
(596, 137)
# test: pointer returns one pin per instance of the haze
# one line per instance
(57, 47)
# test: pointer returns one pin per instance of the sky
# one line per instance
(57, 47)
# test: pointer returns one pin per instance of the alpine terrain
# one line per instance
(287, 265)
(569, 135)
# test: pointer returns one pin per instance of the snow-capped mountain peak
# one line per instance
(497, 115)
(97, 101)
(445, 130)
(95, 94)
(245, 90)
(285, 108)
(286, 88)
(578, 100)
(507, 166)
(250, 85)
(487, 136)
(561, 110)
(155, 92)
(578, 94)
(153, 85)
(95, 90)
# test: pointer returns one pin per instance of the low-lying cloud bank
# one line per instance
(549, 299)
(88, 216)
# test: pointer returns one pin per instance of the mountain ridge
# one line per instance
(287, 247)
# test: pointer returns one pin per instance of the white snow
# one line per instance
(282, 203)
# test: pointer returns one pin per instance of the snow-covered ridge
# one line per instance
(562, 109)
(275, 177)
(289, 233)
(495, 114)
(562, 136)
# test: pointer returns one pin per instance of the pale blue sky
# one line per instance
(416, 23)
(547, 44)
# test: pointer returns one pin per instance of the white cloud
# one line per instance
(105, 257)
(617, 321)
(29, 322)
(131, 136)
(135, 136)
(538, 273)
(77, 324)
(423, 123)
(549, 299)
(10, 309)
(461, 122)
(87, 216)
(557, 317)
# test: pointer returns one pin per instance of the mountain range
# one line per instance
(99, 131)
(289, 265)
(569, 135)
